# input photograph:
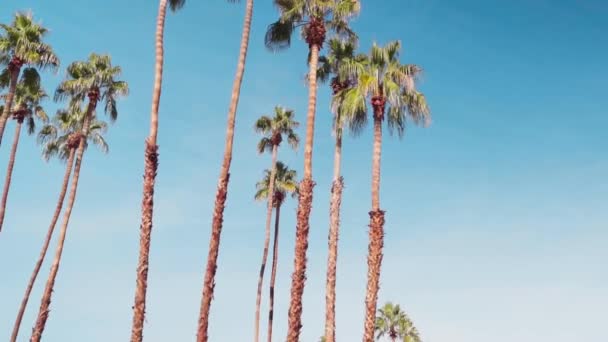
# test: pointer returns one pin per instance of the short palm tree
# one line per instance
(273, 129)
(284, 183)
(60, 139)
(94, 79)
(222, 187)
(394, 323)
(387, 83)
(315, 17)
(150, 170)
(26, 108)
(339, 54)
(22, 43)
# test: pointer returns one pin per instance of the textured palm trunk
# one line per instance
(273, 275)
(15, 69)
(298, 278)
(258, 300)
(376, 237)
(222, 189)
(45, 246)
(9, 171)
(332, 258)
(150, 170)
(45, 303)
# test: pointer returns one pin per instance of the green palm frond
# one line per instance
(96, 73)
(176, 5)
(264, 145)
(23, 39)
(285, 183)
(28, 97)
(382, 74)
(278, 35)
(54, 136)
(281, 124)
(298, 13)
(5, 78)
(393, 322)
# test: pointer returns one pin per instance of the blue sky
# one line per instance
(496, 219)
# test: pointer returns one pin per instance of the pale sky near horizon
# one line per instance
(496, 214)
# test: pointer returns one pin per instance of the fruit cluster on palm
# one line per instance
(374, 87)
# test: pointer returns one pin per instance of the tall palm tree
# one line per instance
(339, 54)
(26, 107)
(222, 186)
(150, 170)
(395, 324)
(272, 129)
(315, 17)
(21, 44)
(94, 79)
(61, 139)
(385, 81)
(284, 183)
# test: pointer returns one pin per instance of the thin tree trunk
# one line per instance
(376, 238)
(8, 103)
(45, 246)
(258, 300)
(222, 189)
(332, 258)
(298, 278)
(43, 312)
(9, 171)
(150, 170)
(273, 275)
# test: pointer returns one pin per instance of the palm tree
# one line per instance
(150, 170)
(60, 139)
(273, 129)
(284, 183)
(383, 79)
(26, 107)
(22, 44)
(222, 187)
(94, 79)
(395, 324)
(339, 54)
(314, 17)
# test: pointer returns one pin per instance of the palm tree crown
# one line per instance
(340, 55)
(383, 79)
(314, 17)
(285, 183)
(22, 43)
(28, 95)
(95, 79)
(273, 129)
(63, 133)
(395, 324)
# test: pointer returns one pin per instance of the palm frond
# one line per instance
(278, 35)
(176, 5)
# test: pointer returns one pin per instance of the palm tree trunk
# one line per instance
(332, 258)
(45, 246)
(376, 237)
(43, 312)
(304, 207)
(273, 275)
(150, 170)
(258, 299)
(15, 69)
(222, 189)
(9, 171)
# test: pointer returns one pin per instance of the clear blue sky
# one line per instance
(496, 214)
